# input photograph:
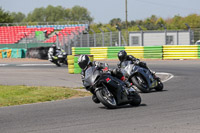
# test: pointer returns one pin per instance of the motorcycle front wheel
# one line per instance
(58, 63)
(160, 86)
(106, 98)
(140, 83)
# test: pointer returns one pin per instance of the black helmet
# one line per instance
(83, 61)
(122, 55)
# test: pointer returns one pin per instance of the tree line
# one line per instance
(48, 14)
(78, 13)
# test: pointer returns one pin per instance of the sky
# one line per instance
(104, 10)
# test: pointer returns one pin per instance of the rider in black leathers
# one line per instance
(122, 56)
(84, 63)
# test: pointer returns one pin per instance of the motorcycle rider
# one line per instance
(52, 53)
(122, 56)
(84, 63)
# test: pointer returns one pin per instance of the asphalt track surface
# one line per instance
(174, 110)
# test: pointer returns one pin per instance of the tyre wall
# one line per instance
(73, 67)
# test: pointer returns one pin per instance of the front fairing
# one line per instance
(126, 68)
(147, 74)
(130, 69)
(91, 74)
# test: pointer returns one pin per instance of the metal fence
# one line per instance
(107, 39)
(103, 39)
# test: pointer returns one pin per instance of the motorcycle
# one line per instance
(59, 59)
(141, 77)
(109, 90)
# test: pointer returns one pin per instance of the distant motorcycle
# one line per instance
(141, 77)
(59, 59)
(110, 91)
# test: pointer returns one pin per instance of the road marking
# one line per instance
(169, 74)
(3, 64)
(35, 65)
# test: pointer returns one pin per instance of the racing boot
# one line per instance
(128, 86)
(153, 73)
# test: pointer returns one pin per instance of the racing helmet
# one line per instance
(54, 45)
(83, 61)
(122, 55)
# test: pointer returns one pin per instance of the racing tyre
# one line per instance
(58, 64)
(106, 98)
(136, 100)
(140, 83)
(160, 86)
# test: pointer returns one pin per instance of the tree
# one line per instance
(38, 15)
(59, 13)
(192, 20)
(54, 14)
(160, 23)
(5, 17)
(177, 22)
(79, 13)
(150, 23)
(18, 17)
(115, 21)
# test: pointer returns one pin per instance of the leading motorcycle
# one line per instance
(141, 77)
(109, 90)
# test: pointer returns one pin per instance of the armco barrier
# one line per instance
(180, 52)
(136, 51)
(1, 51)
(153, 52)
(198, 51)
(146, 52)
(18, 53)
(5, 53)
(99, 52)
(113, 51)
(80, 50)
(73, 67)
(12, 53)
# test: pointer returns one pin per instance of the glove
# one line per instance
(105, 69)
(143, 64)
(137, 61)
(118, 65)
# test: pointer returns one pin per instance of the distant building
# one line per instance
(158, 38)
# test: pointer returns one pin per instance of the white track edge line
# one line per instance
(171, 75)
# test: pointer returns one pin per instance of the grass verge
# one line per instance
(17, 95)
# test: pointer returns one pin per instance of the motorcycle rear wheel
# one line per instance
(136, 100)
(140, 83)
(106, 98)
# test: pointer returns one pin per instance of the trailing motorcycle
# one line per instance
(141, 77)
(59, 59)
(109, 90)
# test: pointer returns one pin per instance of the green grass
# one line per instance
(17, 95)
